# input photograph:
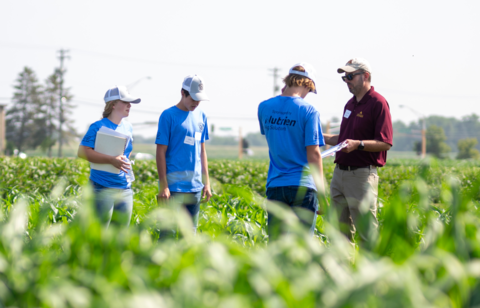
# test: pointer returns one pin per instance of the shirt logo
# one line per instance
(360, 115)
(201, 126)
(279, 121)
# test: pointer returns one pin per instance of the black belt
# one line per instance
(350, 168)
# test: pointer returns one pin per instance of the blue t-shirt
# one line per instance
(104, 178)
(290, 124)
(183, 132)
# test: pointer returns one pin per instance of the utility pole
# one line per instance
(328, 132)
(240, 143)
(63, 56)
(275, 75)
(424, 138)
(2, 130)
(424, 129)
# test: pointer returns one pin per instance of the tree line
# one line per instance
(444, 135)
(37, 112)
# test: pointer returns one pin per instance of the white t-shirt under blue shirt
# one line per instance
(104, 178)
(290, 124)
(183, 132)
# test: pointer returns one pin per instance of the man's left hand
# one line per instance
(207, 193)
(352, 145)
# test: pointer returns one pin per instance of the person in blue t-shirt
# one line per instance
(294, 136)
(113, 192)
(181, 157)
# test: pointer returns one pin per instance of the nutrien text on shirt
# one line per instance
(290, 124)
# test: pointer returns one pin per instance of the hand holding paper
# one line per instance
(333, 150)
(121, 162)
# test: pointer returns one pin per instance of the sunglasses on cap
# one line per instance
(351, 75)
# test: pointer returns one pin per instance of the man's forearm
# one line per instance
(93, 156)
(376, 146)
(161, 168)
(204, 160)
(314, 158)
(330, 139)
(319, 183)
(370, 146)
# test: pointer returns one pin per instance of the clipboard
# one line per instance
(111, 143)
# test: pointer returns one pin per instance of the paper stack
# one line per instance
(109, 142)
(333, 150)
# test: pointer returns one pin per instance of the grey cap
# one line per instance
(195, 86)
(121, 93)
(355, 64)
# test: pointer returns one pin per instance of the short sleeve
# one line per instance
(383, 125)
(205, 131)
(89, 138)
(163, 133)
(313, 130)
(262, 131)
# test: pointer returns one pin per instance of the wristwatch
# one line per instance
(361, 146)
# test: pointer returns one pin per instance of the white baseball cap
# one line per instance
(121, 93)
(354, 65)
(309, 72)
(195, 86)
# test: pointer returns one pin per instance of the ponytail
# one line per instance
(109, 108)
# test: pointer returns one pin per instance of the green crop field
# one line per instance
(54, 252)
(213, 152)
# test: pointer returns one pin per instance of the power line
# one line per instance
(62, 57)
(220, 66)
(275, 75)
(135, 59)
(227, 117)
(100, 105)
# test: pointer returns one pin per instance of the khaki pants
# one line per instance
(354, 196)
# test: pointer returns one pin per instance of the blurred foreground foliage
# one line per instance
(54, 253)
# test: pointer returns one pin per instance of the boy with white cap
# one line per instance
(294, 134)
(181, 157)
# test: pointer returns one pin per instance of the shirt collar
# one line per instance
(365, 98)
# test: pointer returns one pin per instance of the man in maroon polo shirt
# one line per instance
(367, 129)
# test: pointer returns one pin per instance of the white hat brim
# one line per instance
(199, 96)
(130, 99)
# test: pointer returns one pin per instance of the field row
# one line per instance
(53, 251)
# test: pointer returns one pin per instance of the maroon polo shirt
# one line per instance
(369, 119)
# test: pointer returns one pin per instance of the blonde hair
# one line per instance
(294, 80)
(109, 108)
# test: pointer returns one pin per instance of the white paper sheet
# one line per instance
(333, 150)
(111, 143)
(111, 132)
